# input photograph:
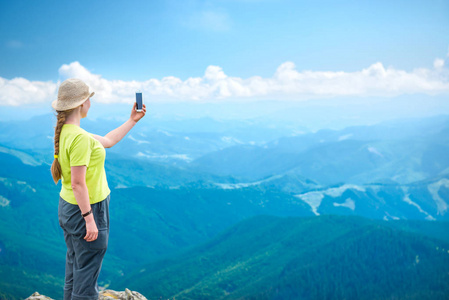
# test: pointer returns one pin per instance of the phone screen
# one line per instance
(139, 101)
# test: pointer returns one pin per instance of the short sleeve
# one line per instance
(80, 151)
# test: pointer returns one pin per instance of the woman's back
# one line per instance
(78, 148)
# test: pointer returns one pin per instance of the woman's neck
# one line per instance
(74, 118)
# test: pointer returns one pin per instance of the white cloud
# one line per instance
(438, 63)
(287, 83)
(19, 91)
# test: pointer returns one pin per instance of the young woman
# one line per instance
(84, 198)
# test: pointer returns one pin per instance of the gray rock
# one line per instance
(126, 295)
(104, 295)
(37, 296)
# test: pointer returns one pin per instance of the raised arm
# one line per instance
(119, 133)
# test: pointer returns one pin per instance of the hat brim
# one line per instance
(58, 106)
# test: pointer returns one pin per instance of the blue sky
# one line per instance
(138, 40)
(392, 55)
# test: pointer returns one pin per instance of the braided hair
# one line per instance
(56, 171)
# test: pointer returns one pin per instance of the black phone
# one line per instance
(139, 102)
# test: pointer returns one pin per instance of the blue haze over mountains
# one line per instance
(179, 180)
(406, 159)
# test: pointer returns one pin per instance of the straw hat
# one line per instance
(72, 93)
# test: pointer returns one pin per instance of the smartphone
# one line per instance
(139, 102)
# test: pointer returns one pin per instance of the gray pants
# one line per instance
(83, 260)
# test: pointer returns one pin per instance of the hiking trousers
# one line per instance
(83, 259)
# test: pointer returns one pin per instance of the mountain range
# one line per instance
(180, 186)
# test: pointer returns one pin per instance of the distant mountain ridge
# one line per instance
(404, 151)
(359, 155)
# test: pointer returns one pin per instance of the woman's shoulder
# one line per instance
(73, 129)
(74, 133)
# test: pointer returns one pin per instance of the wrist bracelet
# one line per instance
(88, 213)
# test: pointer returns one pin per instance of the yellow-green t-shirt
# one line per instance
(77, 147)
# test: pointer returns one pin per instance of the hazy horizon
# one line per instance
(313, 115)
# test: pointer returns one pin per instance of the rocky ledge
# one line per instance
(104, 295)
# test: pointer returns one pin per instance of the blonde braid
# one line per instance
(56, 170)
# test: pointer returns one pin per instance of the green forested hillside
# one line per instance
(31, 247)
(328, 257)
(164, 203)
(146, 223)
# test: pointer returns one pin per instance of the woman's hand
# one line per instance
(119, 133)
(91, 229)
(136, 116)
